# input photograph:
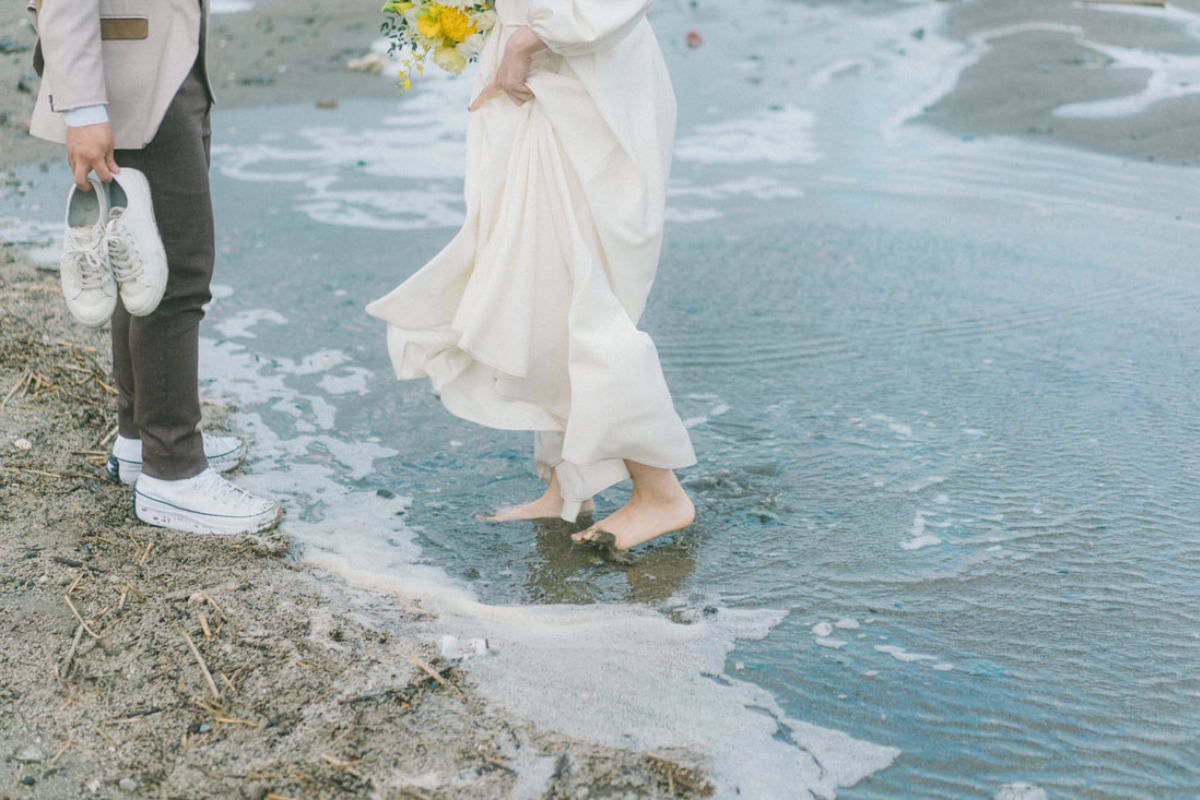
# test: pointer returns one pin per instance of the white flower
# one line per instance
(469, 48)
(484, 20)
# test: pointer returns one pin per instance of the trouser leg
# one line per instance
(156, 357)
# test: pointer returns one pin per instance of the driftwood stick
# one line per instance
(204, 626)
(66, 746)
(495, 762)
(73, 346)
(414, 793)
(203, 597)
(108, 436)
(231, 721)
(203, 667)
(345, 766)
(70, 660)
(45, 474)
(145, 555)
(24, 379)
(228, 683)
(433, 673)
(74, 611)
(413, 607)
(105, 736)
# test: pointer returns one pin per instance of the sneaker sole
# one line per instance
(164, 515)
(127, 472)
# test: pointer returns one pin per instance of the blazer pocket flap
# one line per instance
(118, 28)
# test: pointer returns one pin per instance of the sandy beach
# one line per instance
(140, 662)
(137, 659)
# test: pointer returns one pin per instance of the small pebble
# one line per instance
(22, 444)
(128, 785)
(30, 754)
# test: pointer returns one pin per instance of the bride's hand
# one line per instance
(514, 67)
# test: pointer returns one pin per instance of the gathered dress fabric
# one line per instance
(527, 319)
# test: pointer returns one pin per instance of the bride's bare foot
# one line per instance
(657, 505)
(545, 507)
(548, 506)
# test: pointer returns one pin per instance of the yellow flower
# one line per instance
(448, 59)
(456, 25)
(397, 6)
(438, 21)
(429, 21)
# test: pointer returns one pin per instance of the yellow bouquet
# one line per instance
(450, 31)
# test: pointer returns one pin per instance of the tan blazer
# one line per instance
(131, 55)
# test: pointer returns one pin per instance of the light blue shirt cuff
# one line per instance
(88, 115)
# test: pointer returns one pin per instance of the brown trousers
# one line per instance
(156, 357)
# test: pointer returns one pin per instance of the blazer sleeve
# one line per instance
(578, 27)
(69, 34)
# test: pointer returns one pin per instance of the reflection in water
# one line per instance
(564, 572)
(536, 562)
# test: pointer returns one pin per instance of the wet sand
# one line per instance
(1039, 60)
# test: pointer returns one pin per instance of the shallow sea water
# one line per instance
(942, 393)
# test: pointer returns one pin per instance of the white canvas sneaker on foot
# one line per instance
(135, 249)
(206, 503)
(125, 461)
(87, 280)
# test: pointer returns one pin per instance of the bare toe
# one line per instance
(605, 542)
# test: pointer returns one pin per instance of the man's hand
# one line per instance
(91, 148)
(514, 67)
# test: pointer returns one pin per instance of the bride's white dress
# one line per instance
(527, 320)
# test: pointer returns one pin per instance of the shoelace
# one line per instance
(89, 259)
(218, 488)
(122, 253)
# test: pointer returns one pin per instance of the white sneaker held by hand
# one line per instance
(135, 249)
(87, 280)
